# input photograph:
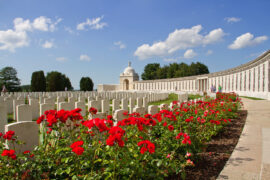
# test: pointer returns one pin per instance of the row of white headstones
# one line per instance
(27, 130)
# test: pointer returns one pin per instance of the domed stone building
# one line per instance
(249, 79)
(127, 78)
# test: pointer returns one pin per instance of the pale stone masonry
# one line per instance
(250, 79)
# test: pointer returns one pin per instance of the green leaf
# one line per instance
(159, 163)
(68, 170)
(98, 160)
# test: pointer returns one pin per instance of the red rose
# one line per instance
(78, 150)
(170, 127)
(76, 144)
(9, 153)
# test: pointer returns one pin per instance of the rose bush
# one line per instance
(137, 147)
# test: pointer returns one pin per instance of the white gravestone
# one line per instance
(152, 109)
(24, 113)
(81, 105)
(27, 132)
(3, 118)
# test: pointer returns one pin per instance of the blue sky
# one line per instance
(97, 38)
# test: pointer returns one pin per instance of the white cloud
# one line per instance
(232, 19)
(84, 57)
(18, 37)
(189, 54)
(120, 44)
(94, 23)
(179, 39)
(209, 52)
(48, 44)
(214, 36)
(10, 39)
(61, 59)
(43, 23)
(69, 30)
(22, 25)
(246, 40)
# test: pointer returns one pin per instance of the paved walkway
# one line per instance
(251, 157)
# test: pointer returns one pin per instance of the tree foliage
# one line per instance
(174, 70)
(8, 77)
(150, 71)
(26, 88)
(86, 84)
(56, 81)
(38, 82)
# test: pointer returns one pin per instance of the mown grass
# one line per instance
(10, 118)
(253, 98)
(172, 97)
(194, 96)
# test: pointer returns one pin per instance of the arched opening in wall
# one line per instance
(126, 84)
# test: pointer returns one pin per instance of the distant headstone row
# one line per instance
(27, 107)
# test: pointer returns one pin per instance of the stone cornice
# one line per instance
(259, 60)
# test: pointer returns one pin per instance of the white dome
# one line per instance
(129, 70)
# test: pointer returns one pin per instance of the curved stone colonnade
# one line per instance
(250, 79)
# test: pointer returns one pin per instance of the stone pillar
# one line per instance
(242, 81)
(223, 83)
(252, 80)
(238, 82)
(234, 82)
(247, 80)
(261, 78)
(256, 78)
(266, 77)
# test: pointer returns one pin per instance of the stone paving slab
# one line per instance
(251, 157)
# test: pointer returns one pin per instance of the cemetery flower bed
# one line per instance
(138, 147)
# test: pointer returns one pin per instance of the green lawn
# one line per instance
(193, 96)
(253, 98)
(172, 97)
(10, 118)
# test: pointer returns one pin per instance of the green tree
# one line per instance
(150, 71)
(56, 81)
(26, 88)
(183, 70)
(162, 72)
(174, 70)
(38, 81)
(86, 84)
(67, 83)
(8, 77)
(198, 68)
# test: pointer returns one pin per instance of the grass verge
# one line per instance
(194, 96)
(172, 97)
(253, 98)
